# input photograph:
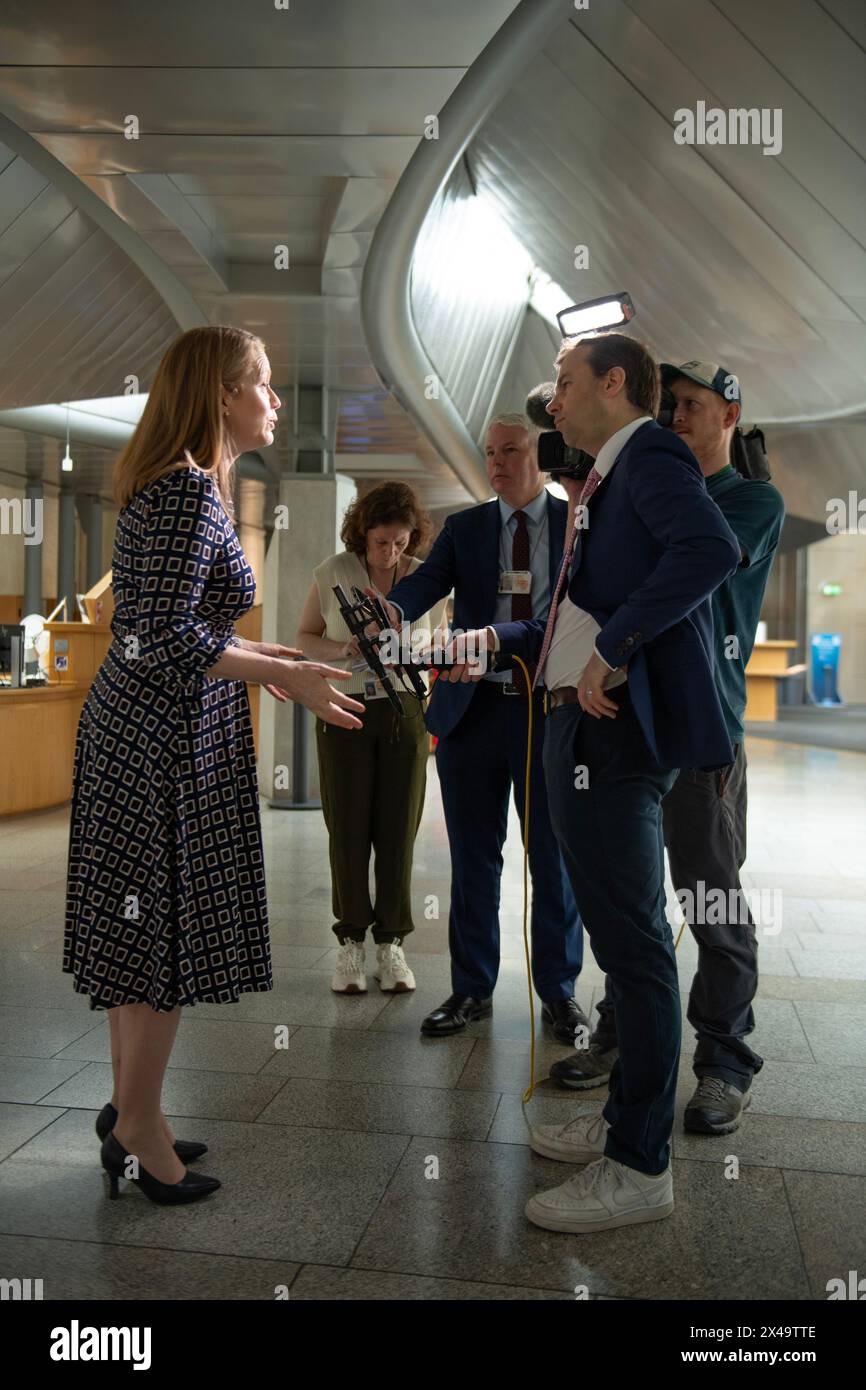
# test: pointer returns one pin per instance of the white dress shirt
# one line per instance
(575, 631)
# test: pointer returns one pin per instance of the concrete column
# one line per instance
(34, 498)
(91, 517)
(315, 509)
(66, 551)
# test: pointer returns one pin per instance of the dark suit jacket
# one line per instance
(654, 548)
(465, 558)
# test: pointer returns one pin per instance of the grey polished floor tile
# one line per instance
(546, 1107)
(206, 1094)
(26, 1080)
(836, 1032)
(75, 1269)
(848, 942)
(309, 932)
(817, 990)
(778, 1034)
(830, 964)
(321, 1282)
(838, 914)
(510, 1018)
(201, 1044)
(302, 997)
(33, 1032)
(375, 1057)
(19, 1123)
(287, 1194)
(777, 1141)
(44, 935)
(18, 907)
(802, 1090)
(503, 1064)
(36, 977)
(829, 1213)
(291, 956)
(385, 1109)
(469, 1224)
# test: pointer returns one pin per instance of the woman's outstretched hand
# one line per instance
(307, 682)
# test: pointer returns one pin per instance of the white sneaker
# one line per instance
(391, 971)
(349, 976)
(580, 1141)
(603, 1195)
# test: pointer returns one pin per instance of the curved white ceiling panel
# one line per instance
(730, 254)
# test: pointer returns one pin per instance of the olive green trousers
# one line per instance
(372, 783)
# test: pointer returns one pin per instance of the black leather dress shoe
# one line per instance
(186, 1149)
(454, 1014)
(566, 1017)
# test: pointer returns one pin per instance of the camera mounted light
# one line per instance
(595, 315)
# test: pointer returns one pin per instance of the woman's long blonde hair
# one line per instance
(183, 419)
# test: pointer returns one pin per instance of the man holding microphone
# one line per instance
(501, 559)
(627, 655)
(704, 813)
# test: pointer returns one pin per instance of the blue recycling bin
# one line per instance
(825, 668)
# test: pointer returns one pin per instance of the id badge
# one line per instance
(373, 690)
(515, 582)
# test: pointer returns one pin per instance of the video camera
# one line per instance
(748, 451)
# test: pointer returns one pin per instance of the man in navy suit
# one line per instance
(501, 559)
(627, 654)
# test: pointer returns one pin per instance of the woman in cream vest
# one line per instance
(372, 781)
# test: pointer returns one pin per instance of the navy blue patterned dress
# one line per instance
(166, 899)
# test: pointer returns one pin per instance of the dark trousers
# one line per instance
(610, 830)
(704, 817)
(479, 763)
(372, 783)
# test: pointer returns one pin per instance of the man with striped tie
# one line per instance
(627, 657)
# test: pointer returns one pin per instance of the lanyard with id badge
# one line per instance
(519, 581)
(515, 582)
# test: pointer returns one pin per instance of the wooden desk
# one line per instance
(38, 725)
(86, 645)
(37, 735)
(767, 664)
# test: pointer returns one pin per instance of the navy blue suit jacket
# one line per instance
(653, 549)
(465, 558)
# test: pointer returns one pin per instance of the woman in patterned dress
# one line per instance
(166, 900)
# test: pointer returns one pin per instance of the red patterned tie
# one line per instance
(521, 604)
(589, 487)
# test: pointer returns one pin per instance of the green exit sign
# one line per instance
(831, 590)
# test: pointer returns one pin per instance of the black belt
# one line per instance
(510, 687)
(567, 695)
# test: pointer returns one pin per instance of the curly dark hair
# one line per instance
(386, 504)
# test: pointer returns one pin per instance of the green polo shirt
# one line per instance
(755, 512)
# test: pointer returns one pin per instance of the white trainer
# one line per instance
(604, 1195)
(392, 971)
(349, 976)
(580, 1141)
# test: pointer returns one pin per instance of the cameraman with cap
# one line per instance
(704, 813)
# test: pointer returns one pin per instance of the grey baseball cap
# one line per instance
(709, 374)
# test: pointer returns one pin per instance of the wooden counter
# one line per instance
(37, 735)
(767, 664)
(38, 724)
(83, 645)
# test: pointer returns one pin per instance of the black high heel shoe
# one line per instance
(189, 1189)
(186, 1149)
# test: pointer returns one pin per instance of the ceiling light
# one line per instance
(595, 315)
(66, 462)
